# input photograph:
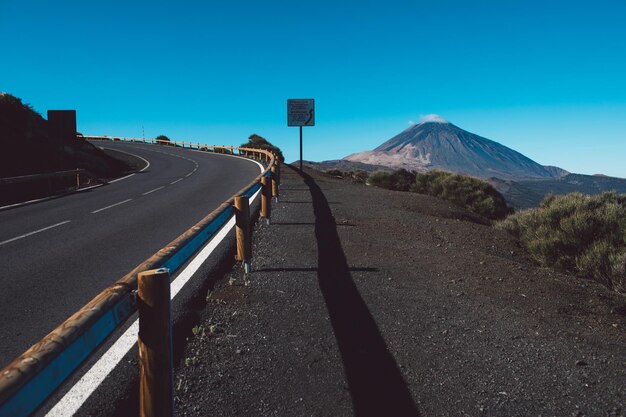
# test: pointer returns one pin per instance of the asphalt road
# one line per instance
(56, 255)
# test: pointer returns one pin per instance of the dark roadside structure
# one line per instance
(46, 151)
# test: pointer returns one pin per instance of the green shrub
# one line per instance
(577, 233)
(162, 140)
(400, 180)
(335, 172)
(468, 192)
(379, 179)
(258, 142)
(359, 175)
(471, 193)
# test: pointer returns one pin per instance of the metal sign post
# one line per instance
(301, 112)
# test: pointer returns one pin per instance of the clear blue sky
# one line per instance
(546, 78)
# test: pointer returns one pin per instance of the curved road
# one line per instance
(56, 255)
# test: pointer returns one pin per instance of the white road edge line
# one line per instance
(112, 205)
(174, 182)
(130, 175)
(28, 202)
(25, 203)
(156, 189)
(82, 390)
(32, 233)
(91, 187)
(122, 178)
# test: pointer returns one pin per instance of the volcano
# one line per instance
(438, 144)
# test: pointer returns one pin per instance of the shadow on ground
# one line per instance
(355, 269)
(376, 384)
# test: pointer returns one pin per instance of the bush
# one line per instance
(467, 192)
(359, 175)
(162, 140)
(471, 193)
(335, 173)
(400, 180)
(577, 233)
(258, 142)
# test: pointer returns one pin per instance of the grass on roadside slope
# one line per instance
(28, 147)
(577, 233)
(468, 192)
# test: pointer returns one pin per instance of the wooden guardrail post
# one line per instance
(156, 395)
(266, 198)
(242, 231)
(275, 182)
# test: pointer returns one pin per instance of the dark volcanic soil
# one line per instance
(379, 303)
(112, 164)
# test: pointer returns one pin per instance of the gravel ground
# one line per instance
(371, 302)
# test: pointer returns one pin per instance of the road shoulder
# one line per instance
(450, 313)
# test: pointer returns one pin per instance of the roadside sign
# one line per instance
(301, 112)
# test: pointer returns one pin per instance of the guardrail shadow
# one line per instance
(355, 269)
(305, 202)
(309, 224)
(376, 384)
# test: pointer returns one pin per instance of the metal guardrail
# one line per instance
(23, 189)
(34, 177)
(30, 379)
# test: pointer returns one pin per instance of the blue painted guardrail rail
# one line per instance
(30, 379)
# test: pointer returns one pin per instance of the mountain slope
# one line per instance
(526, 194)
(442, 145)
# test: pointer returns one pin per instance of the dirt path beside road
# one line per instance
(378, 303)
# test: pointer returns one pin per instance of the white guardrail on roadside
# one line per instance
(30, 379)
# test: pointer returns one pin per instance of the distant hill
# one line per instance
(27, 147)
(444, 146)
(526, 194)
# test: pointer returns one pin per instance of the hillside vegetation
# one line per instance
(358, 175)
(259, 142)
(577, 233)
(527, 194)
(468, 192)
(27, 147)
